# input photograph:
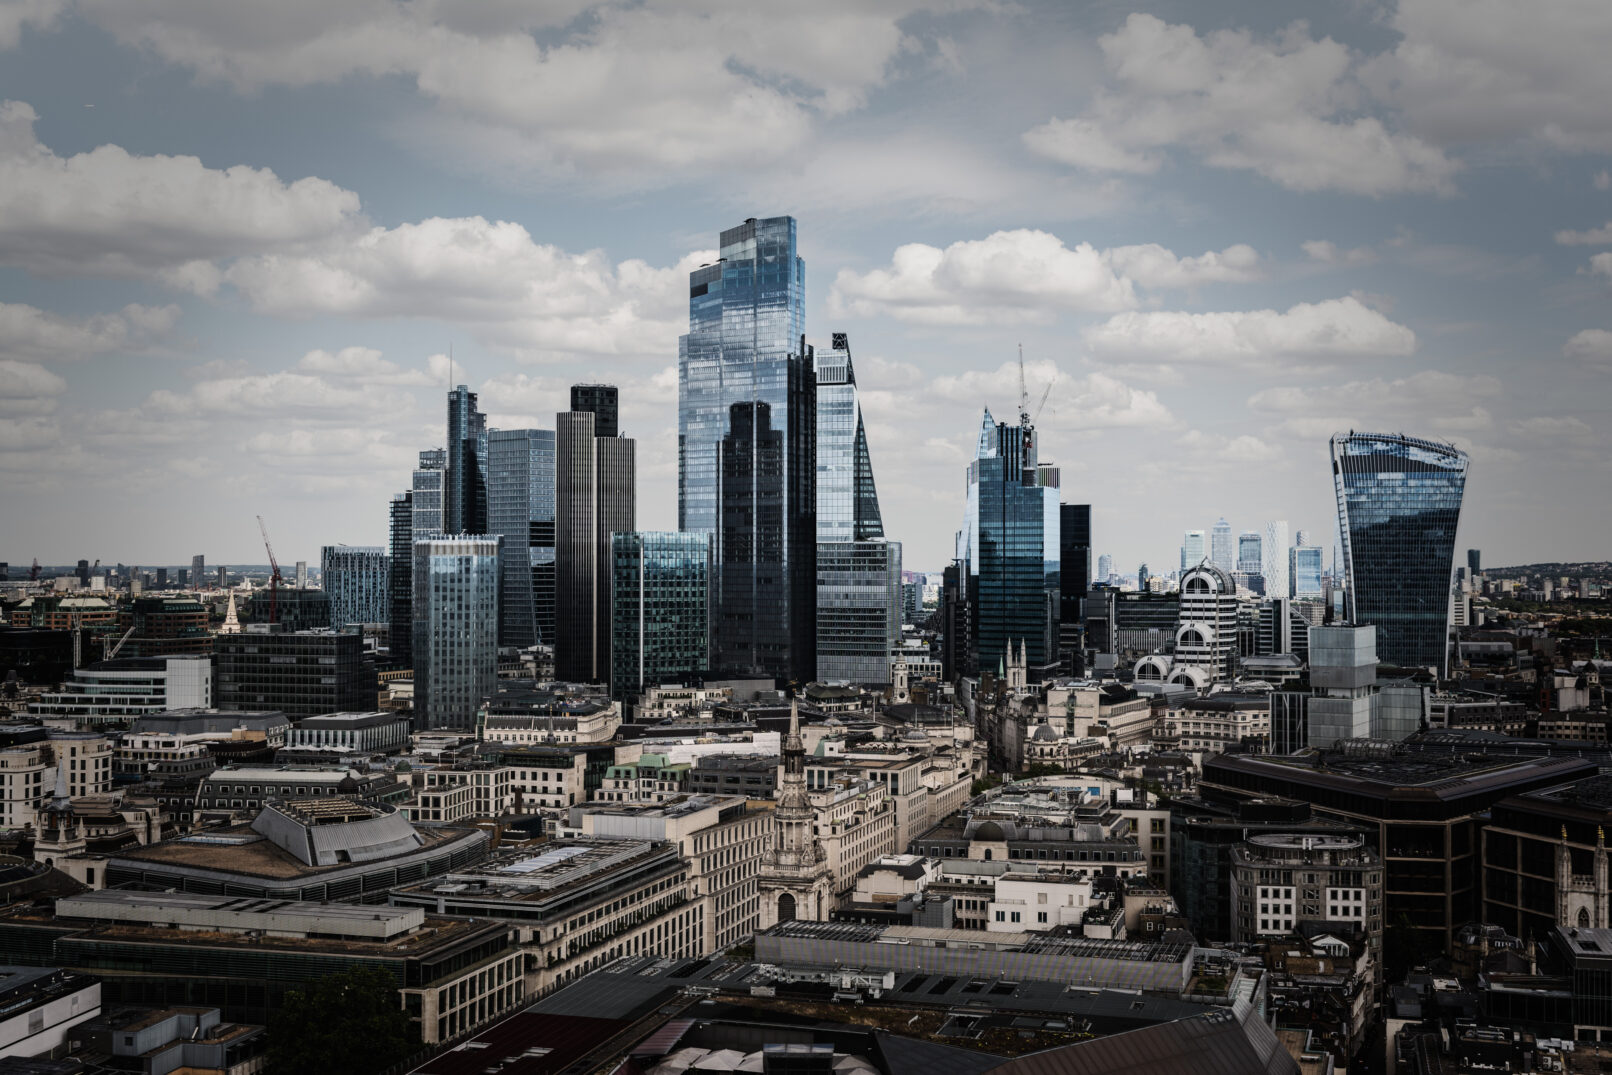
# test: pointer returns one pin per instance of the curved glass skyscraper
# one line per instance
(1399, 504)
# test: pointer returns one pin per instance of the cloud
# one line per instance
(27, 332)
(533, 299)
(1094, 401)
(109, 212)
(1469, 71)
(1593, 347)
(1329, 253)
(1602, 263)
(1593, 237)
(286, 393)
(1330, 329)
(638, 89)
(1551, 427)
(1432, 401)
(36, 14)
(26, 388)
(1024, 275)
(1602, 180)
(366, 366)
(1286, 108)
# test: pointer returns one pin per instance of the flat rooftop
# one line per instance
(526, 876)
(240, 849)
(1035, 943)
(683, 807)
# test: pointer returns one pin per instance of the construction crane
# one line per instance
(274, 574)
(1024, 392)
(109, 648)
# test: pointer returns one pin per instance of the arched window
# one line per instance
(1583, 918)
(786, 908)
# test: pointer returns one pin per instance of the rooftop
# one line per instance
(522, 876)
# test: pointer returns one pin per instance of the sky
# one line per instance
(239, 241)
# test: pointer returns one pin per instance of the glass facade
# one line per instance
(594, 498)
(847, 500)
(858, 610)
(358, 580)
(465, 491)
(1399, 505)
(1194, 548)
(1304, 571)
(520, 510)
(400, 639)
(1248, 553)
(1011, 545)
(456, 583)
(1273, 565)
(660, 601)
(429, 491)
(1222, 548)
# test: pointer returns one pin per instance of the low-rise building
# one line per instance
(244, 790)
(361, 733)
(39, 1006)
(577, 904)
(184, 1039)
(1216, 723)
(547, 714)
(1280, 880)
(121, 689)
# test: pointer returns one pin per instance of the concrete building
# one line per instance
(40, 1006)
(577, 904)
(722, 839)
(359, 733)
(111, 692)
(795, 878)
(298, 673)
(1279, 880)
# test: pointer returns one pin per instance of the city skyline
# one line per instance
(271, 335)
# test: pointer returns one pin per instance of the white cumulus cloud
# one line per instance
(1330, 329)
(1601, 236)
(1286, 108)
(27, 332)
(1593, 347)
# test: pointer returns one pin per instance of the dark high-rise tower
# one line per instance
(1074, 579)
(595, 496)
(520, 509)
(598, 400)
(766, 608)
(1399, 504)
(1474, 562)
(465, 487)
(401, 544)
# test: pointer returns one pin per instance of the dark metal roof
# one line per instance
(1214, 1043)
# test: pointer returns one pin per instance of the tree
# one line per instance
(349, 1022)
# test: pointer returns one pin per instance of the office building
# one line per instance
(766, 594)
(198, 571)
(1074, 580)
(429, 489)
(355, 733)
(600, 401)
(41, 1009)
(1010, 543)
(520, 510)
(1474, 562)
(1399, 506)
(660, 609)
(164, 626)
(1304, 572)
(1105, 567)
(1206, 633)
(745, 348)
(1273, 559)
(162, 578)
(861, 602)
(298, 673)
(858, 610)
(358, 580)
(1423, 813)
(1194, 549)
(292, 609)
(464, 501)
(455, 629)
(301, 574)
(595, 497)
(400, 581)
(1249, 557)
(1222, 547)
(1281, 879)
(114, 691)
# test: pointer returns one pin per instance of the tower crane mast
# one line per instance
(274, 574)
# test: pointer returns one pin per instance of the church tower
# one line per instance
(793, 881)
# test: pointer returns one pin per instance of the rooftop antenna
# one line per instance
(1024, 392)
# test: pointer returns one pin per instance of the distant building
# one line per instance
(299, 673)
(358, 580)
(1194, 549)
(595, 497)
(1222, 547)
(1274, 566)
(456, 583)
(520, 510)
(1074, 580)
(1249, 557)
(400, 581)
(464, 499)
(1399, 540)
(660, 609)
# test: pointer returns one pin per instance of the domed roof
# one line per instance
(1044, 733)
(990, 830)
(348, 785)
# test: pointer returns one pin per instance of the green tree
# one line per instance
(349, 1022)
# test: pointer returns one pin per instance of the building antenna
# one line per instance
(1024, 392)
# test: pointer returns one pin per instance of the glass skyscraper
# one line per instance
(594, 497)
(1274, 559)
(858, 571)
(1304, 570)
(1011, 546)
(1074, 579)
(464, 501)
(430, 490)
(358, 579)
(400, 641)
(1399, 505)
(455, 610)
(1222, 549)
(744, 361)
(520, 510)
(1194, 548)
(1248, 553)
(660, 609)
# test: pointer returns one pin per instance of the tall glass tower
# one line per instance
(1194, 548)
(1222, 549)
(1399, 505)
(400, 640)
(595, 497)
(464, 502)
(746, 385)
(455, 628)
(1011, 546)
(1248, 553)
(746, 316)
(660, 600)
(430, 491)
(520, 509)
(858, 571)
(1274, 559)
